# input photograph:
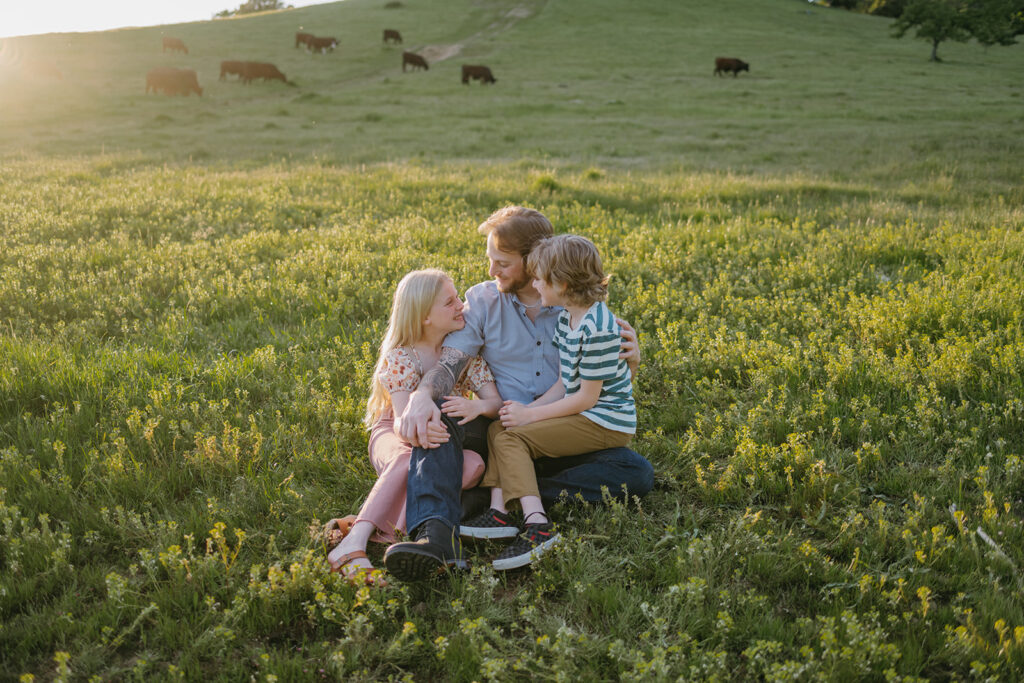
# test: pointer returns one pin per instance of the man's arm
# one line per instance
(630, 350)
(439, 382)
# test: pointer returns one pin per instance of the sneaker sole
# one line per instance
(526, 558)
(410, 566)
(488, 532)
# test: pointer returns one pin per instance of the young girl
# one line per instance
(425, 309)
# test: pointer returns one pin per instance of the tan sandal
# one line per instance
(337, 529)
(362, 575)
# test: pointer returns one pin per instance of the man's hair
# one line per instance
(516, 229)
(573, 261)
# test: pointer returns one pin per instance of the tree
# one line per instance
(935, 20)
(995, 22)
(251, 6)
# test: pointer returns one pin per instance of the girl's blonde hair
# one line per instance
(574, 261)
(410, 306)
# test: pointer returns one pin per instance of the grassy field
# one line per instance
(823, 257)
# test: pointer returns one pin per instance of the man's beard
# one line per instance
(516, 285)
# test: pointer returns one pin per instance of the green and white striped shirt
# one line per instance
(591, 351)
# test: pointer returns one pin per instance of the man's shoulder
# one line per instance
(485, 292)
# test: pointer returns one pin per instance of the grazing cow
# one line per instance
(264, 70)
(414, 60)
(172, 81)
(321, 44)
(174, 45)
(232, 68)
(302, 38)
(727, 64)
(392, 35)
(480, 73)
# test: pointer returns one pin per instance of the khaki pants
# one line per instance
(512, 451)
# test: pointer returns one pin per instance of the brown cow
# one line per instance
(302, 38)
(392, 35)
(264, 70)
(172, 81)
(321, 44)
(174, 45)
(414, 60)
(480, 73)
(230, 67)
(727, 64)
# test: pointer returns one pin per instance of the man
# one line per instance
(506, 325)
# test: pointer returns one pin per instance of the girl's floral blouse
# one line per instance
(402, 372)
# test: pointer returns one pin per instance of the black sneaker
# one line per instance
(535, 540)
(436, 547)
(490, 524)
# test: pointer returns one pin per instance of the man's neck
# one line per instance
(528, 295)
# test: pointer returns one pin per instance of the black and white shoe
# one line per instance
(490, 524)
(534, 541)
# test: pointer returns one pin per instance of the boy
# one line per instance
(589, 408)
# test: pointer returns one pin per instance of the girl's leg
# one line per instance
(355, 541)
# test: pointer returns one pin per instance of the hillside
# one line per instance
(823, 258)
(626, 83)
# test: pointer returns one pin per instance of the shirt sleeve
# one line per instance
(478, 374)
(399, 372)
(599, 354)
(470, 339)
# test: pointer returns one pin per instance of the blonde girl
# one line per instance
(426, 307)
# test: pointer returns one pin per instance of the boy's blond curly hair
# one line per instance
(574, 261)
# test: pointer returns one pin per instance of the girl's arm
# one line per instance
(487, 403)
(516, 414)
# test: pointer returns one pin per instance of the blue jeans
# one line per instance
(434, 486)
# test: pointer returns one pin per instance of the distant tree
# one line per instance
(251, 6)
(995, 22)
(887, 8)
(936, 21)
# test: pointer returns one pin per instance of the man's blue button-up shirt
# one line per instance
(519, 351)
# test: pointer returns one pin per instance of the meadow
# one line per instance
(823, 258)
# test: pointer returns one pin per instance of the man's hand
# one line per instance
(420, 422)
(515, 414)
(630, 350)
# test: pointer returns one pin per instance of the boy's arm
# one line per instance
(516, 414)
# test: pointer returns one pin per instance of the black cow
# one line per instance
(321, 44)
(727, 64)
(414, 60)
(392, 35)
(480, 73)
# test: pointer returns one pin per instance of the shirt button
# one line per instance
(538, 374)
(538, 343)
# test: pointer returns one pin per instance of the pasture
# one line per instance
(823, 258)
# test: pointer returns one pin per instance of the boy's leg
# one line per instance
(513, 450)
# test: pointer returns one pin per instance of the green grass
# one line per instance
(823, 258)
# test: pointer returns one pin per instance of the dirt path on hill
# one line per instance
(525, 10)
